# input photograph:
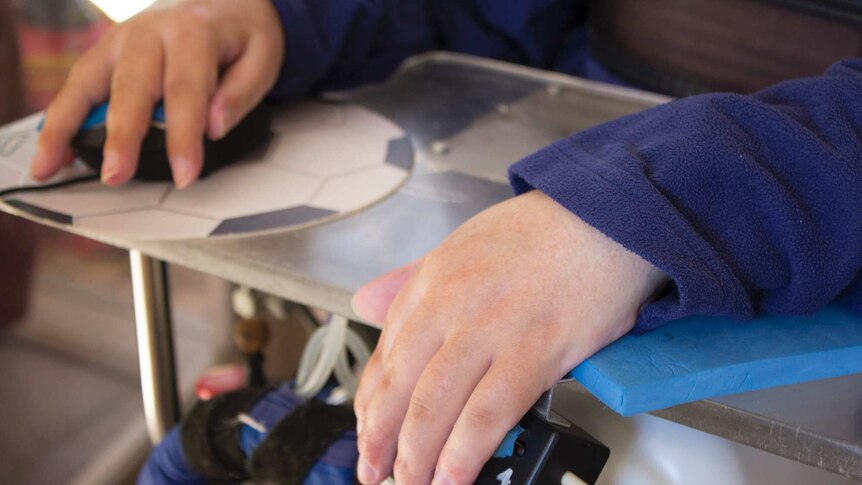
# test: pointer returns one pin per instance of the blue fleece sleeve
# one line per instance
(335, 44)
(751, 204)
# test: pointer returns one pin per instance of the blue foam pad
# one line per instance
(702, 357)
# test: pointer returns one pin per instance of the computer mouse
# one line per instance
(252, 132)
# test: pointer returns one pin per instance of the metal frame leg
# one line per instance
(155, 344)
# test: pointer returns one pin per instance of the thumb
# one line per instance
(373, 299)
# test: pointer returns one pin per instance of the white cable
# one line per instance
(251, 422)
(310, 355)
(326, 353)
(332, 345)
(242, 301)
(346, 375)
(310, 361)
(338, 396)
(275, 306)
(343, 373)
(349, 376)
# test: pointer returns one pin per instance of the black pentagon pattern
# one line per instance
(40, 212)
(399, 153)
(271, 220)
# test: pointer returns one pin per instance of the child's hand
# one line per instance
(482, 325)
(210, 60)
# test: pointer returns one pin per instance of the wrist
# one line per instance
(614, 283)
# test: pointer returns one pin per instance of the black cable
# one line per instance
(56, 185)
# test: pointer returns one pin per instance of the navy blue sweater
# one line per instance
(752, 204)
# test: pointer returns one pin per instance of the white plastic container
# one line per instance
(647, 450)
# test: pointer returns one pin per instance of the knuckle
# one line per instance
(197, 87)
(189, 28)
(85, 68)
(189, 21)
(482, 416)
(421, 407)
(150, 22)
(365, 391)
(396, 379)
(79, 73)
(391, 378)
(130, 34)
(360, 405)
(60, 103)
(182, 86)
(271, 43)
(142, 19)
(119, 82)
(112, 31)
(124, 83)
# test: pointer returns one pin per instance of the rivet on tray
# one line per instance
(553, 90)
(439, 148)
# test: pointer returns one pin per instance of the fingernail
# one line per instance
(364, 472)
(358, 427)
(221, 125)
(37, 166)
(110, 166)
(183, 172)
(441, 480)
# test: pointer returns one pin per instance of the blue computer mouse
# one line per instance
(252, 132)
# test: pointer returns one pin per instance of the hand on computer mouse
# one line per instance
(210, 60)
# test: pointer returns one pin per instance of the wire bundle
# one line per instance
(328, 353)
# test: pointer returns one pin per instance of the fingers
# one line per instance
(384, 412)
(193, 39)
(191, 74)
(87, 85)
(459, 410)
(243, 85)
(400, 310)
(135, 88)
(503, 396)
(436, 403)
